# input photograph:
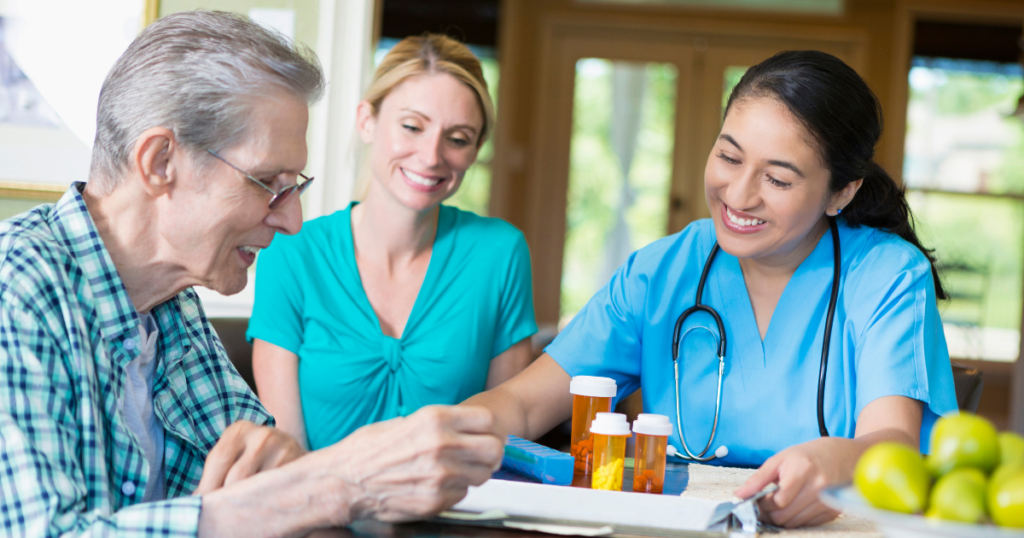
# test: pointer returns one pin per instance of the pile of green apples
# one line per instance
(972, 474)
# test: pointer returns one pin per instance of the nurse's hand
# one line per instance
(801, 472)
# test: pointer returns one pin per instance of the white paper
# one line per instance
(590, 505)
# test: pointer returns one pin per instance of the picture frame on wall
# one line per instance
(48, 90)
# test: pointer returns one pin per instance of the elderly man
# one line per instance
(119, 411)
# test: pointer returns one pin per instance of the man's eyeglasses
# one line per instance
(278, 196)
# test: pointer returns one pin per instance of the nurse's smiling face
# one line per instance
(766, 184)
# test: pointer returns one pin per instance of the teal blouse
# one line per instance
(475, 302)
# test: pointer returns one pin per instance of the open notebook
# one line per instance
(589, 512)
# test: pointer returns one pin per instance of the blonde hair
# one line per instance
(422, 55)
(431, 54)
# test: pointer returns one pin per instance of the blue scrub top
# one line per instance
(887, 339)
(475, 302)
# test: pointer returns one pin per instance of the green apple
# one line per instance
(893, 477)
(963, 440)
(1006, 502)
(959, 496)
(1011, 448)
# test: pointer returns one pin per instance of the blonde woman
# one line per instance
(396, 302)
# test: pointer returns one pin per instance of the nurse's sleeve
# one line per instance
(278, 306)
(901, 350)
(515, 317)
(604, 339)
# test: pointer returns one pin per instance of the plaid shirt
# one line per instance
(68, 462)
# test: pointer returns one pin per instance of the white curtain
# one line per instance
(628, 84)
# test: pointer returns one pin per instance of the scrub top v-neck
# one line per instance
(887, 339)
(476, 300)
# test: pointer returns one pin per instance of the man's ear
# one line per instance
(152, 160)
(366, 121)
(843, 198)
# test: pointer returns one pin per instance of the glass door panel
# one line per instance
(621, 154)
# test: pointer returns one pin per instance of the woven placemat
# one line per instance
(718, 483)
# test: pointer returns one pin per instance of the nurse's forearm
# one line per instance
(531, 403)
(890, 418)
(509, 413)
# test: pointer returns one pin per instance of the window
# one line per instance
(620, 170)
(964, 171)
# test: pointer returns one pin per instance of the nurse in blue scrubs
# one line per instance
(793, 157)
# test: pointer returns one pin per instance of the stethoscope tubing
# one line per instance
(837, 258)
(699, 307)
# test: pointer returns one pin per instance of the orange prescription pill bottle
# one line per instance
(652, 433)
(609, 432)
(590, 396)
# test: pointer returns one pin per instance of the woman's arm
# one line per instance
(508, 364)
(276, 371)
(802, 471)
(531, 403)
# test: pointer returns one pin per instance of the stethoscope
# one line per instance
(699, 307)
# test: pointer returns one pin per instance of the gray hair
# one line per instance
(199, 74)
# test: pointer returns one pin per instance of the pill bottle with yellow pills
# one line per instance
(652, 433)
(590, 396)
(609, 433)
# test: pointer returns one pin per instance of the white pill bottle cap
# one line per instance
(610, 424)
(585, 385)
(650, 424)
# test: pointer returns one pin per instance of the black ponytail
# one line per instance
(881, 203)
(831, 100)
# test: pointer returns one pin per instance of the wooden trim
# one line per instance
(1009, 196)
(31, 191)
(151, 12)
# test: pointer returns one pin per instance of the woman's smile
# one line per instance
(740, 222)
(422, 182)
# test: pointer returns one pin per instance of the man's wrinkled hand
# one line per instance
(243, 450)
(414, 467)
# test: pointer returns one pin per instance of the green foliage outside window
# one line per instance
(960, 141)
(595, 178)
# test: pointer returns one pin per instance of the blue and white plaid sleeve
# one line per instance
(51, 473)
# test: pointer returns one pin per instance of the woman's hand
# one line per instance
(802, 471)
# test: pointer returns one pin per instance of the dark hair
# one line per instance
(843, 115)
